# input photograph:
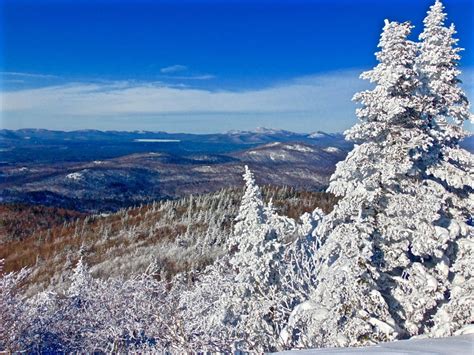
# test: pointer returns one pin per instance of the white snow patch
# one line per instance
(382, 326)
(75, 176)
(300, 148)
(204, 169)
(278, 156)
(463, 344)
(268, 130)
(467, 329)
(318, 313)
(316, 135)
(331, 149)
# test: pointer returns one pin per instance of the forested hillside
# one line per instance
(180, 235)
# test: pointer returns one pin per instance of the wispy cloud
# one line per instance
(128, 98)
(175, 72)
(312, 102)
(307, 103)
(190, 77)
(174, 69)
(26, 75)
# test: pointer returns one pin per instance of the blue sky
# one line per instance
(197, 66)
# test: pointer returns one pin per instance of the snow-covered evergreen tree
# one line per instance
(12, 309)
(234, 285)
(389, 243)
(299, 277)
(445, 105)
(45, 317)
(251, 215)
(351, 302)
(241, 302)
(206, 322)
(258, 263)
(81, 280)
(445, 109)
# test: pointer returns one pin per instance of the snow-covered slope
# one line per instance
(291, 153)
(463, 344)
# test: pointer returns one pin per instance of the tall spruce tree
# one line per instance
(445, 109)
(365, 241)
(389, 244)
(240, 302)
(256, 257)
(445, 105)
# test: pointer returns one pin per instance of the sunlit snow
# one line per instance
(463, 344)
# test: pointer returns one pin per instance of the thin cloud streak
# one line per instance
(190, 77)
(174, 69)
(27, 75)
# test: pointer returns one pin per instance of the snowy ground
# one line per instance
(459, 345)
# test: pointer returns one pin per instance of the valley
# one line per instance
(94, 171)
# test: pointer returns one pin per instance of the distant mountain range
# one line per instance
(96, 171)
(117, 143)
